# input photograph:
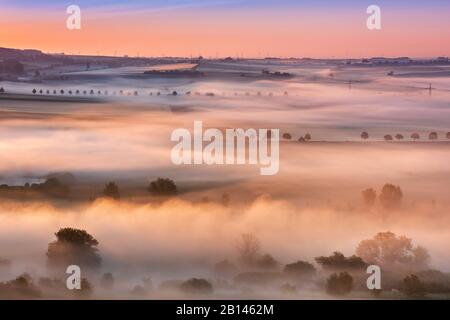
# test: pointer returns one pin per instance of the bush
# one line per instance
(412, 286)
(300, 269)
(339, 284)
(196, 286)
(339, 262)
(20, 288)
(162, 187)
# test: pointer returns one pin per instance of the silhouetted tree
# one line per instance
(174, 93)
(77, 92)
(415, 136)
(2, 90)
(287, 136)
(307, 137)
(391, 252)
(412, 286)
(40, 91)
(73, 246)
(391, 196)
(388, 137)
(162, 186)
(433, 136)
(34, 91)
(91, 92)
(111, 190)
(338, 261)
(369, 197)
(448, 135)
(248, 247)
(301, 139)
(364, 135)
(399, 136)
(62, 91)
(55, 92)
(339, 284)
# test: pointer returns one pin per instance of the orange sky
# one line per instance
(313, 33)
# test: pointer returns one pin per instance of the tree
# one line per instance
(391, 196)
(299, 270)
(248, 247)
(338, 261)
(412, 286)
(2, 90)
(287, 136)
(364, 135)
(22, 287)
(162, 186)
(73, 246)
(433, 136)
(448, 135)
(388, 137)
(391, 252)
(307, 137)
(62, 91)
(174, 93)
(369, 197)
(111, 191)
(415, 136)
(399, 136)
(339, 284)
(34, 91)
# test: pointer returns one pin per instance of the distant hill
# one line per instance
(27, 55)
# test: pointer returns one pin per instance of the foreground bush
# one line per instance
(339, 284)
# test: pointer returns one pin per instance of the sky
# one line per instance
(220, 28)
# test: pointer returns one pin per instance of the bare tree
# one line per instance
(248, 247)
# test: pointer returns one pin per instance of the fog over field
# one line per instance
(311, 208)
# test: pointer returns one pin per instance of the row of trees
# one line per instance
(305, 138)
(399, 137)
(158, 187)
(127, 93)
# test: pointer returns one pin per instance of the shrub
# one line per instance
(339, 284)
(196, 286)
(412, 286)
(299, 269)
